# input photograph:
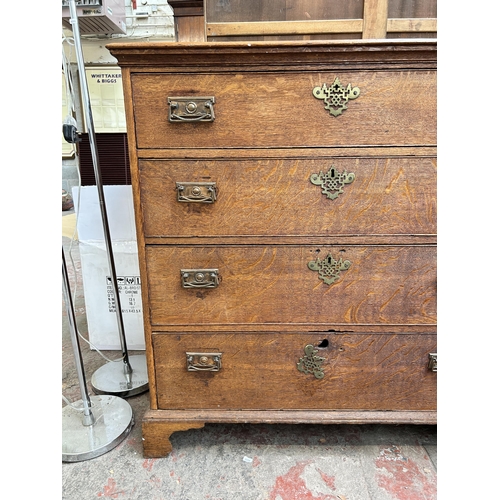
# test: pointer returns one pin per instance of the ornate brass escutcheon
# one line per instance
(433, 362)
(336, 96)
(200, 278)
(191, 109)
(203, 361)
(333, 182)
(196, 192)
(310, 363)
(329, 269)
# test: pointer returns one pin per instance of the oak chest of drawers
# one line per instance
(285, 200)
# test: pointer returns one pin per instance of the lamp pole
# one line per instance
(102, 382)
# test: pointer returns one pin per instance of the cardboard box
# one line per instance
(97, 282)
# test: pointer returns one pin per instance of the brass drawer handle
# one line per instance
(191, 109)
(196, 192)
(329, 269)
(203, 361)
(200, 278)
(332, 183)
(336, 96)
(433, 362)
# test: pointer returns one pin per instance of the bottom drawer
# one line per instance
(294, 371)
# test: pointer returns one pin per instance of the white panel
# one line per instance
(106, 98)
(98, 290)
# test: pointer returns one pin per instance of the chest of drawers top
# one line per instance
(273, 94)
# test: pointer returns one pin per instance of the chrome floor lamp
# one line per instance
(129, 377)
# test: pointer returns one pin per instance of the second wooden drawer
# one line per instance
(289, 196)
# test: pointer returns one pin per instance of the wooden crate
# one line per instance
(226, 20)
(230, 20)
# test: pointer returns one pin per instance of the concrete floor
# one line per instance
(246, 461)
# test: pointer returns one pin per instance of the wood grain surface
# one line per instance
(259, 371)
(389, 196)
(159, 425)
(278, 109)
(259, 285)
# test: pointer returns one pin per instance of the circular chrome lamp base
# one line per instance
(111, 379)
(113, 421)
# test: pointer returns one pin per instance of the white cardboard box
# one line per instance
(97, 285)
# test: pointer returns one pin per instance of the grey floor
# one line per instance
(245, 461)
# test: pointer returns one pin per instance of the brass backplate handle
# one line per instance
(310, 363)
(332, 183)
(433, 362)
(203, 361)
(196, 192)
(329, 268)
(191, 109)
(200, 278)
(336, 96)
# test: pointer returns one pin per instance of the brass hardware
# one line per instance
(203, 361)
(332, 183)
(196, 192)
(336, 96)
(433, 362)
(329, 268)
(200, 278)
(191, 109)
(311, 363)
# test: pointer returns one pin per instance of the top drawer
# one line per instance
(279, 109)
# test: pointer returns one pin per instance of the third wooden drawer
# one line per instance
(285, 284)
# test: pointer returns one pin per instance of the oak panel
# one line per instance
(273, 284)
(361, 372)
(389, 196)
(278, 109)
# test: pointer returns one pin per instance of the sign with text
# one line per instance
(106, 98)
